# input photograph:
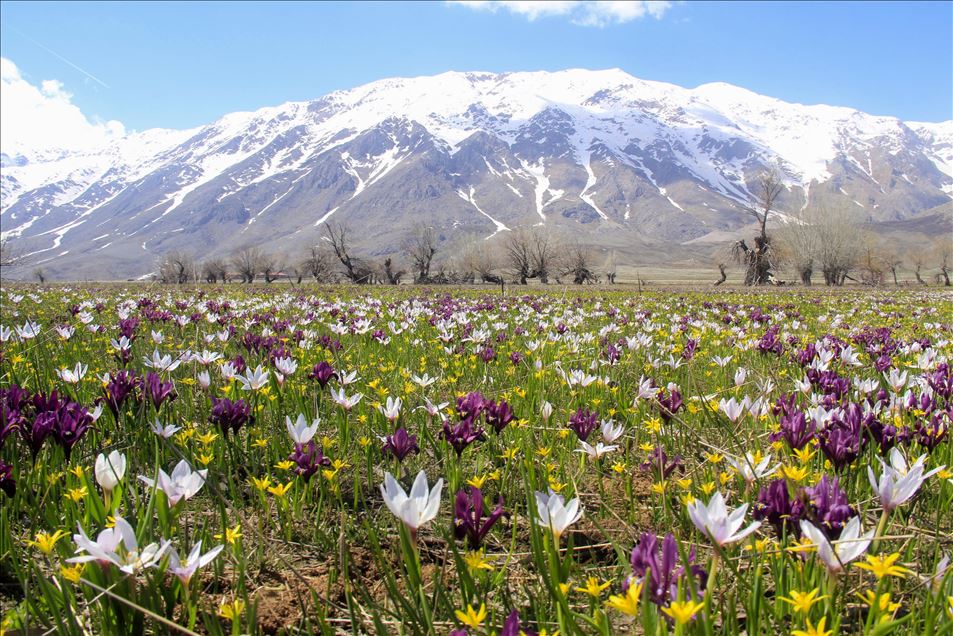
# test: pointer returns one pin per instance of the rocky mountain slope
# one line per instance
(613, 160)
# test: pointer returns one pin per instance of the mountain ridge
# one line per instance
(602, 154)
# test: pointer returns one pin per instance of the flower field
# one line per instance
(242, 461)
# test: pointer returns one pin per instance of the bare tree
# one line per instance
(176, 268)
(479, 261)
(543, 252)
(872, 263)
(40, 275)
(318, 263)
(829, 241)
(10, 255)
(247, 262)
(610, 268)
(270, 266)
(392, 274)
(578, 264)
(531, 253)
(758, 259)
(215, 270)
(356, 269)
(421, 248)
(942, 254)
(919, 260)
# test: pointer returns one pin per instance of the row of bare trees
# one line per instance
(835, 244)
(522, 255)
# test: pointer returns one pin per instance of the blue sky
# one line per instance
(184, 64)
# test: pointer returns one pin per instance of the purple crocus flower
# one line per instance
(308, 459)
(36, 433)
(583, 422)
(796, 429)
(229, 415)
(322, 372)
(468, 517)
(770, 342)
(71, 423)
(498, 415)
(511, 626)
(471, 405)
(401, 444)
(157, 390)
(488, 354)
(122, 385)
(462, 435)
(929, 435)
(777, 508)
(660, 569)
(840, 443)
(7, 483)
(658, 462)
(668, 403)
(827, 507)
(128, 328)
(689, 351)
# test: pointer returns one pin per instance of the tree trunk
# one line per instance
(946, 276)
(721, 279)
(916, 273)
(806, 273)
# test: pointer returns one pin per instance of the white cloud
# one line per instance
(592, 13)
(38, 120)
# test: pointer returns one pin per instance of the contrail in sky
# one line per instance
(61, 58)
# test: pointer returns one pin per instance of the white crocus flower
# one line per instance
(597, 451)
(346, 379)
(750, 469)
(158, 337)
(611, 431)
(204, 379)
(185, 569)
(206, 357)
(391, 410)
(181, 485)
(721, 361)
(732, 408)
(110, 470)
(740, 376)
(286, 366)
(161, 362)
(118, 546)
(433, 410)
(546, 410)
(122, 344)
(896, 379)
(841, 552)
(5, 333)
(300, 431)
(423, 381)
(164, 432)
(417, 508)
(555, 513)
(898, 483)
(65, 332)
(74, 375)
(253, 380)
(347, 403)
(803, 385)
(717, 523)
(29, 330)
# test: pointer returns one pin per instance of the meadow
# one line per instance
(239, 460)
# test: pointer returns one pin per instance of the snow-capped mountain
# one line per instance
(613, 159)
